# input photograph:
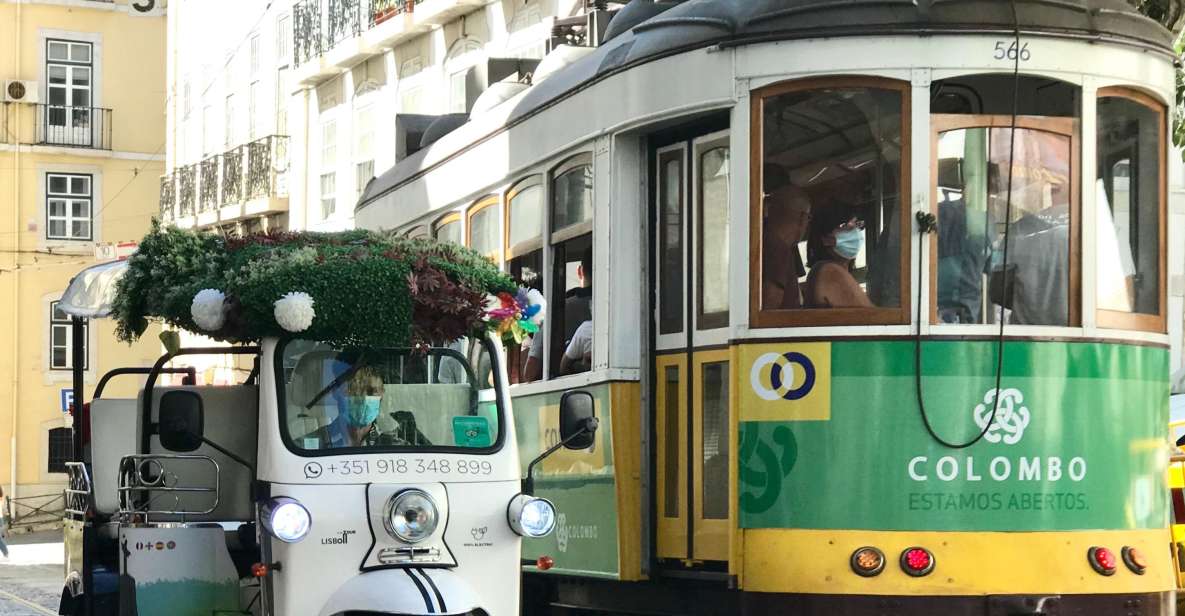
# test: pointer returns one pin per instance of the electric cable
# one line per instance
(926, 224)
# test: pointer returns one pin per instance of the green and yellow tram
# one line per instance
(872, 297)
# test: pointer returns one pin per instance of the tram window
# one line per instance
(449, 230)
(974, 284)
(572, 192)
(527, 271)
(715, 440)
(991, 94)
(1130, 206)
(418, 231)
(483, 228)
(571, 320)
(670, 266)
(524, 205)
(831, 219)
(712, 209)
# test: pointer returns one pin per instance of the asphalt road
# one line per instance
(31, 576)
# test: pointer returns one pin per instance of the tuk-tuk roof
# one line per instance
(92, 290)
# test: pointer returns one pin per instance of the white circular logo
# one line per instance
(1011, 416)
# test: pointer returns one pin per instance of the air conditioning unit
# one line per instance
(20, 91)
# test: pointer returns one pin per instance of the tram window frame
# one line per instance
(1154, 323)
(523, 253)
(417, 231)
(558, 241)
(447, 219)
(478, 206)
(760, 317)
(1062, 125)
(530, 244)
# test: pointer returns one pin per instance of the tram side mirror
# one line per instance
(181, 421)
(578, 422)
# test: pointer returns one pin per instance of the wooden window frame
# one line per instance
(530, 245)
(1154, 323)
(812, 317)
(447, 219)
(563, 234)
(705, 321)
(487, 201)
(1067, 126)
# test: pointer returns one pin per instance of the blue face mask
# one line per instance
(848, 243)
(363, 411)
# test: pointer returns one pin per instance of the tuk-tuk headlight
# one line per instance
(411, 516)
(530, 516)
(286, 519)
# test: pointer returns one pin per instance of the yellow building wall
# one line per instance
(129, 76)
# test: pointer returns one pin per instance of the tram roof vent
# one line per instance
(634, 13)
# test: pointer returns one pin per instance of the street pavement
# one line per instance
(31, 576)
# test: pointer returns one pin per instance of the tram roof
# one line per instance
(695, 24)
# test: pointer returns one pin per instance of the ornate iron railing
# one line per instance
(382, 10)
(267, 158)
(78, 127)
(345, 20)
(208, 184)
(306, 31)
(168, 197)
(186, 189)
(233, 162)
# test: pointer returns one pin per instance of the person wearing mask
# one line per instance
(836, 237)
(358, 408)
(787, 216)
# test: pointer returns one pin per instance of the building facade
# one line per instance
(81, 148)
(279, 117)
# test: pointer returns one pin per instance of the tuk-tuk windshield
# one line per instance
(334, 400)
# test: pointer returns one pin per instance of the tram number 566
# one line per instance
(1009, 50)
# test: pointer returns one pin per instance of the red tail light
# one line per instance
(917, 561)
(1102, 560)
(544, 563)
(259, 570)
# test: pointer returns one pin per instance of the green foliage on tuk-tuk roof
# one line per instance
(348, 288)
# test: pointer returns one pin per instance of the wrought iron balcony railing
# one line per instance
(233, 169)
(382, 10)
(208, 184)
(267, 159)
(345, 20)
(168, 197)
(77, 127)
(186, 190)
(306, 31)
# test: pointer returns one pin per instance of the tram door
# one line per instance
(692, 401)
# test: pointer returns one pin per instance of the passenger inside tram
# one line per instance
(836, 239)
(787, 216)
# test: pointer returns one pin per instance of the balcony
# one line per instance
(208, 186)
(234, 169)
(332, 35)
(168, 198)
(74, 127)
(186, 193)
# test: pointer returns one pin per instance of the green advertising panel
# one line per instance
(581, 484)
(1077, 441)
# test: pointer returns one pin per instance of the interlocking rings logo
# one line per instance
(1011, 417)
(781, 382)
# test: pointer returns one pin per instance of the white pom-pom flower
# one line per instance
(535, 298)
(209, 309)
(294, 312)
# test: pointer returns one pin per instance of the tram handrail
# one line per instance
(132, 484)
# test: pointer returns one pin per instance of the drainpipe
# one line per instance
(16, 259)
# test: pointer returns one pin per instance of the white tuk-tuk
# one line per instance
(263, 498)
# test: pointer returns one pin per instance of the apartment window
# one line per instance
(186, 100)
(328, 167)
(284, 40)
(252, 109)
(69, 77)
(461, 58)
(207, 130)
(68, 206)
(363, 147)
(282, 101)
(833, 213)
(61, 342)
(230, 122)
(254, 55)
(61, 449)
(1131, 210)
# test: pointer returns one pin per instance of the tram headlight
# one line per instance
(530, 516)
(411, 516)
(286, 519)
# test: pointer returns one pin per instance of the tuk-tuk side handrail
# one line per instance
(189, 371)
(132, 485)
(80, 491)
